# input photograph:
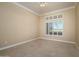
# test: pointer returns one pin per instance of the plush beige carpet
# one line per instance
(42, 48)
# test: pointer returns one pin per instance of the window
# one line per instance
(55, 27)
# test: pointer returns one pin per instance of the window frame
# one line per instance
(51, 21)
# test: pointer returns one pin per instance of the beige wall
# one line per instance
(69, 25)
(77, 23)
(16, 24)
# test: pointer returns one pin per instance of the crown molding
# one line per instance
(60, 10)
(25, 8)
(44, 14)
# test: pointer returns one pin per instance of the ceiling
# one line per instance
(51, 6)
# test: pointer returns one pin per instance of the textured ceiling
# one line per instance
(51, 6)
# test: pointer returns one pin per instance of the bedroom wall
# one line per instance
(77, 23)
(16, 24)
(69, 33)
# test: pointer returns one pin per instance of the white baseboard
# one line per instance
(58, 40)
(19, 43)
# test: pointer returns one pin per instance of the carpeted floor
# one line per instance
(42, 48)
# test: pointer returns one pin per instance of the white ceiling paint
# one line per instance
(51, 6)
